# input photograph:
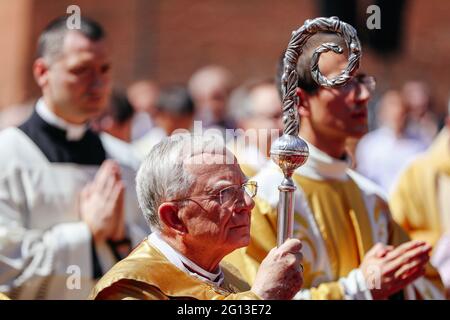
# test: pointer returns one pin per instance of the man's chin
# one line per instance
(358, 131)
(93, 110)
(239, 241)
(357, 135)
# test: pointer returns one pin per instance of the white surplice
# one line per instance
(45, 248)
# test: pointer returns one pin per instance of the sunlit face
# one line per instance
(211, 225)
(266, 108)
(78, 82)
(338, 112)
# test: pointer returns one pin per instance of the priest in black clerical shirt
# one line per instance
(67, 212)
(60, 141)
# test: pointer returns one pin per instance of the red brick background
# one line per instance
(168, 39)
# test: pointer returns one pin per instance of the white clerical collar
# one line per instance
(74, 132)
(183, 263)
(321, 166)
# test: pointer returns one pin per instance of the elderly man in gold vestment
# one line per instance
(198, 204)
(420, 201)
(3, 297)
(352, 248)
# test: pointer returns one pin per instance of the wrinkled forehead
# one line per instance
(214, 166)
(211, 160)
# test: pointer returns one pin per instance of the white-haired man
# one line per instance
(198, 204)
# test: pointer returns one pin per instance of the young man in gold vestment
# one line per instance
(352, 248)
(198, 204)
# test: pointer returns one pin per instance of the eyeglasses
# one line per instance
(368, 81)
(230, 194)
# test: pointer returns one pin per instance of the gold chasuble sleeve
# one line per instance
(335, 246)
(419, 202)
(414, 203)
(263, 239)
(146, 274)
(128, 289)
(3, 297)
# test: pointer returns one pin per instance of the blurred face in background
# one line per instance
(76, 84)
(215, 99)
(417, 97)
(143, 96)
(266, 107)
(393, 112)
(210, 88)
(266, 113)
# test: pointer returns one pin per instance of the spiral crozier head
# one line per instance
(290, 152)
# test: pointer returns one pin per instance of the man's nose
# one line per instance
(100, 80)
(362, 93)
(245, 202)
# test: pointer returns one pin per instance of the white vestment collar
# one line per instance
(74, 132)
(321, 166)
(183, 263)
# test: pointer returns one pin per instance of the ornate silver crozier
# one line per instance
(289, 151)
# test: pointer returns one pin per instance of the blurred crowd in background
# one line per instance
(139, 116)
(404, 118)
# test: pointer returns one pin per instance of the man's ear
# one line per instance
(168, 215)
(40, 72)
(303, 103)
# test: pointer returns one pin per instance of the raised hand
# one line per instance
(388, 270)
(101, 204)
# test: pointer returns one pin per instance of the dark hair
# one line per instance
(51, 38)
(120, 109)
(305, 80)
(175, 100)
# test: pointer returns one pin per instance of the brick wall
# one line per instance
(167, 40)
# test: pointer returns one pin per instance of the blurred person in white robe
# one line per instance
(15, 114)
(67, 212)
(382, 154)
